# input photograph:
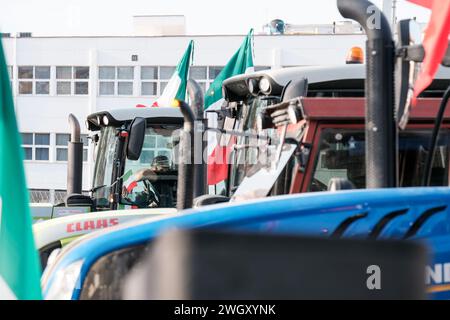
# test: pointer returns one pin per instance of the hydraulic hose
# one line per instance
(434, 137)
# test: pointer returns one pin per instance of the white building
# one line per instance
(54, 76)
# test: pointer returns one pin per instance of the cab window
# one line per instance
(342, 154)
(157, 184)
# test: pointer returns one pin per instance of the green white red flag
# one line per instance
(19, 262)
(176, 87)
(218, 155)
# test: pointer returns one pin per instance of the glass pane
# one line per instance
(148, 88)
(197, 73)
(81, 72)
(42, 139)
(214, 72)
(27, 138)
(162, 86)
(61, 154)
(84, 139)
(202, 85)
(163, 179)
(63, 72)
(125, 88)
(166, 72)
(41, 153)
(125, 73)
(81, 87)
(342, 154)
(149, 73)
(63, 87)
(106, 88)
(150, 141)
(28, 153)
(162, 142)
(106, 72)
(85, 155)
(42, 87)
(42, 72)
(147, 156)
(26, 72)
(25, 87)
(62, 139)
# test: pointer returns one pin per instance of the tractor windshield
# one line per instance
(155, 188)
(342, 155)
(247, 152)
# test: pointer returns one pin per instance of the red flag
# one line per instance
(218, 162)
(435, 42)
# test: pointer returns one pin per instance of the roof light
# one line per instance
(253, 87)
(355, 56)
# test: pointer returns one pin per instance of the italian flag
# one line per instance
(218, 153)
(19, 263)
(176, 87)
(128, 181)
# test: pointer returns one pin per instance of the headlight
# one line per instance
(264, 85)
(105, 120)
(64, 282)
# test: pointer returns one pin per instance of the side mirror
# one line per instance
(136, 138)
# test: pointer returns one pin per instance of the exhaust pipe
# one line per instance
(74, 158)
(381, 130)
(196, 101)
(185, 190)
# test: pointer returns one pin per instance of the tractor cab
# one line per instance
(135, 168)
(302, 130)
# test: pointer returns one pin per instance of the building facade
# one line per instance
(52, 77)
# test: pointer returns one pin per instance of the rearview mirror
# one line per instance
(136, 138)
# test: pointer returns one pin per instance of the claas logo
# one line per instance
(91, 225)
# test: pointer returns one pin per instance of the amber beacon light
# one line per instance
(355, 56)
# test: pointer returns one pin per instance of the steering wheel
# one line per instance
(147, 197)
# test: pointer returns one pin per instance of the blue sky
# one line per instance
(113, 17)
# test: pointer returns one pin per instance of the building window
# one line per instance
(11, 75)
(214, 72)
(165, 73)
(36, 146)
(116, 80)
(199, 74)
(34, 80)
(149, 81)
(72, 80)
(62, 140)
(155, 145)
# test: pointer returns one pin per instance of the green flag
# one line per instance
(19, 264)
(241, 62)
(176, 87)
